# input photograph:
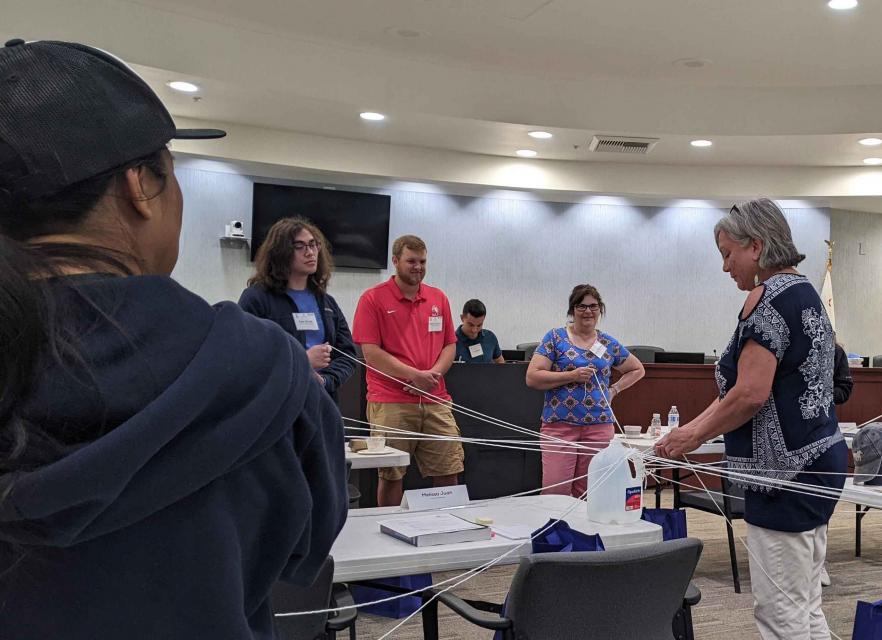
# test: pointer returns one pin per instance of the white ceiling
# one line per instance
(789, 83)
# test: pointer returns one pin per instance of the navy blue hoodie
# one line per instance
(217, 466)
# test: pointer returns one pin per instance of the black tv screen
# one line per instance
(355, 224)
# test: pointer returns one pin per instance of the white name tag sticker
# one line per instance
(598, 349)
(305, 321)
(437, 498)
(436, 323)
(476, 351)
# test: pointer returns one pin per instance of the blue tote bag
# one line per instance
(672, 522)
(556, 536)
(867, 621)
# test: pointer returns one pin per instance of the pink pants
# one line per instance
(560, 465)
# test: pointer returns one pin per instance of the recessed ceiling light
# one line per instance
(540, 135)
(371, 115)
(841, 5)
(692, 63)
(701, 143)
(526, 153)
(405, 32)
(872, 160)
(186, 87)
(870, 142)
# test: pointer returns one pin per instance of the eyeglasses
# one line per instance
(582, 308)
(312, 245)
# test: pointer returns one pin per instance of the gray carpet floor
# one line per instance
(722, 613)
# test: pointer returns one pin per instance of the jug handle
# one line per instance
(639, 468)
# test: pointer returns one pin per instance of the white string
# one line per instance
(486, 566)
(751, 553)
(566, 512)
(456, 407)
(710, 468)
(585, 449)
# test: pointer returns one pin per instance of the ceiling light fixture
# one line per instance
(180, 85)
(870, 142)
(701, 143)
(540, 135)
(692, 63)
(873, 161)
(842, 5)
(371, 115)
(526, 153)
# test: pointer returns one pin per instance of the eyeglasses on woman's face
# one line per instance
(301, 247)
(582, 308)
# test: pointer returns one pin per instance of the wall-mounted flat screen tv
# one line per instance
(355, 224)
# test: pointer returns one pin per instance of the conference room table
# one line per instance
(362, 553)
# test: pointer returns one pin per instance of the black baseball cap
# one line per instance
(69, 112)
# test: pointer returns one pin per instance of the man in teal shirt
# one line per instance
(474, 344)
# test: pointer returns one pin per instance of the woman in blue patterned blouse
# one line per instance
(775, 408)
(573, 365)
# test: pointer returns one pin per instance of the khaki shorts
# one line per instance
(433, 457)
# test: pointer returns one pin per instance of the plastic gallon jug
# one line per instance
(615, 485)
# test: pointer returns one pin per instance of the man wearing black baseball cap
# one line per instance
(151, 483)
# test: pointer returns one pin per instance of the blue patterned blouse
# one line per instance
(795, 432)
(580, 404)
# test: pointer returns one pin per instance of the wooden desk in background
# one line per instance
(500, 391)
(692, 387)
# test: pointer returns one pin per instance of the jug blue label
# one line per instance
(632, 498)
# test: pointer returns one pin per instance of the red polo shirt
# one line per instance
(386, 318)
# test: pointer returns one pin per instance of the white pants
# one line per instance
(785, 578)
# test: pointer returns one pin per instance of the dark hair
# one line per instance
(579, 293)
(30, 323)
(272, 266)
(474, 308)
(414, 243)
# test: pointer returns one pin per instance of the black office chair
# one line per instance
(322, 594)
(877, 361)
(731, 503)
(528, 348)
(644, 353)
(633, 592)
(353, 491)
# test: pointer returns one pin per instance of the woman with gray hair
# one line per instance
(775, 408)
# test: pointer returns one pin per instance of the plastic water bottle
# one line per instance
(615, 485)
(673, 418)
(655, 429)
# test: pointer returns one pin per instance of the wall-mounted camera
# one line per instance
(236, 229)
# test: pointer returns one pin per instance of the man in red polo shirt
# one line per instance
(406, 331)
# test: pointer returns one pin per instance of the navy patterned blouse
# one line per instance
(795, 433)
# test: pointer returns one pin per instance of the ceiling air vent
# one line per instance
(622, 144)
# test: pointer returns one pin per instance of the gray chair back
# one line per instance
(877, 361)
(528, 348)
(286, 597)
(643, 352)
(626, 593)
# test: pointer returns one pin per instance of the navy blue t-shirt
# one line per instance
(795, 434)
(465, 346)
(306, 303)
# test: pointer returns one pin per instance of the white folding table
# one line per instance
(865, 497)
(361, 552)
(391, 458)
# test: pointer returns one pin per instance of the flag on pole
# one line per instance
(827, 288)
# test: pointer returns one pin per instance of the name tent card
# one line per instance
(436, 498)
